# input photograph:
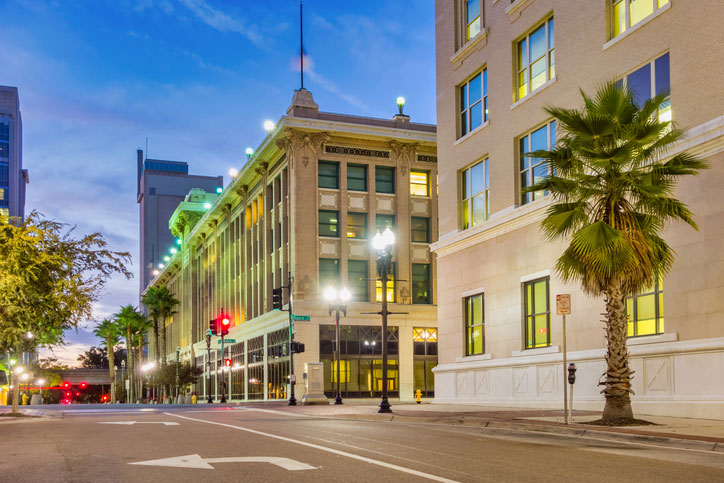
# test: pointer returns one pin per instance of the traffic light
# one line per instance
(213, 327)
(104, 398)
(227, 362)
(83, 385)
(224, 325)
(277, 299)
(297, 347)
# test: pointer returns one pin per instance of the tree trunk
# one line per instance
(617, 386)
(156, 352)
(16, 392)
(111, 364)
(165, 351)
(140, 365)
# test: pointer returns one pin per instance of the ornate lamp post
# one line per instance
(337, 303)
(383, 245)
(178, 354)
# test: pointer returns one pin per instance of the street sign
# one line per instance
(300, 318)
(196, 461)
(563, 304)
(227, 341)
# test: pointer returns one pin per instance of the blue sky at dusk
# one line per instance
(198, 78)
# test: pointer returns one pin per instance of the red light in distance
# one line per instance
(227, 362)
(83, 385)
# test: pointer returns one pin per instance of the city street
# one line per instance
(267, 443)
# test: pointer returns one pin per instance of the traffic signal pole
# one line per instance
(292, 376)
(209, 399)
(223, 390)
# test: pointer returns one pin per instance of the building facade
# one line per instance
(498, 64)
(13, 177)
(161, 186)
(304, 209)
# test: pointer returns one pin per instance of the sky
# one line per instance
(195, 77)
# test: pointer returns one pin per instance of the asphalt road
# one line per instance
(254, 444)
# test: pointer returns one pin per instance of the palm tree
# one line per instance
(165, 303)
(613, 189)
(142, 326)
(128, 319)
(150, 300)
(108, 331)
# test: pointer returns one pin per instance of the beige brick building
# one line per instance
(307, 204)
(498, 64)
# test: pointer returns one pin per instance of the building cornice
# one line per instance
(349, 129)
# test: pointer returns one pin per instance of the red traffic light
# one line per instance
(104, 398)
(77, 393)
(66, 385)
(225, 322)
(227, 362)
(83, 385)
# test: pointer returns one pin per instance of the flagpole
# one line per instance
(301, 46)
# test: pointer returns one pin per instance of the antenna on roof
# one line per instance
(146, 148)
(301, 47)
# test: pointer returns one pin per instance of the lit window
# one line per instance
(472, 18)
(643, 85)
(420, 229)
(536, 59)
(476, 194)
(645, 311)
(474, 325)
(344, 371)
(328, 223)
(537, 313)
(421, 283)
(424, 334)
(390, 286)
(254, 212)
(533, 170)
(328, 176)
(356, 225)
(384, 179)
(356, 177)
(474, 102)
(627, 13)
(419, 183)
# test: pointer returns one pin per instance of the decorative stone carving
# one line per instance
(328, 200)
(384, 204)
(295, 142)
(420, 207)
(520, 380)
(546, 380)
(482, 387)
(403, 152)
(461, 384)
(657, 375)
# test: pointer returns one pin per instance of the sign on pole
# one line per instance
(300, 318)
(228, 341)
(563, 304)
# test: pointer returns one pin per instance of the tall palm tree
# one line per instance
(108, 331)
(165, 304)
(150, 300)
(141, 329)
(613, 187)
(128, 319)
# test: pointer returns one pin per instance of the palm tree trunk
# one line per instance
(140, 374)
(129, 358)
(617, 387)
(156, 352)
(165, 352)
(111, 364)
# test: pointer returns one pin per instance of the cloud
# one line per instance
(207, 65)
(223, 22)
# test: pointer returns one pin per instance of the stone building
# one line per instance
(306, 205)
(498, 64)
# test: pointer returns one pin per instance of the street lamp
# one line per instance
(400, 101)
(178, 355)
(383, 243)
(115, 381)
(250, 151)
(269, 126)
(29, 335)
(123, 380)
(40, 383)
(337, 303)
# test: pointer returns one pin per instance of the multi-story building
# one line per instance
(498, 64)
(161, 186)
(306, 205)
(13, 177)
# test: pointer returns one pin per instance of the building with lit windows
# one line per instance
(306, 205)
(13, 177)
(499, 62)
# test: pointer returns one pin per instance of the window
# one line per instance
(420, 230)
(472, 18)
(476, 194)
(536, 59)
(384, 179)
(328, 175)
(390, 285)
(537, 313)
(643, 84)
(328, 223)
(627, 13)
(533, 170)
(328, 273)
(474, 325)
(645, 311)
(474, 103)
(384, 221)
(421, 283)
(356, 177)
(357, 275)
(356, 225)
(419, 183)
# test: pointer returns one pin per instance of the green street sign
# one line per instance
(300, 317)
(228, 341)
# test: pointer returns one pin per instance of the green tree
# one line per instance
(49, 281)
(109, 332)
(613, 187)
(161, 303)
(129, 319)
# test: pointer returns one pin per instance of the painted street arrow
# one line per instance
(129, 423)
(196, 461)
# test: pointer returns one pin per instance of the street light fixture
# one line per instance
(337, 303)
(250, 151)
(268, 126)
(29, 335)
(400, 101)
(233, 172)
(383, 243)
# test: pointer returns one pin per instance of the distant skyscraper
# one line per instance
(162, 185)
(13, 177)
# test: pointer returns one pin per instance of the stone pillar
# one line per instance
(406, 363)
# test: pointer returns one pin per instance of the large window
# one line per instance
(419, 183)
(356, 225)
(476, 193)
(328, 273)
(474, 102)
(356, 177)
(472, 18)
(384, 221)
(645, 311)
(420, 230)
(390, 285)
(425, 359)
(536, 59)
(644, 85)
(533, 170)
(328, 223)
(384, 179)
(536, 296)
(474, 325)
(627, 13)
(421, 290)
(357, 275)
(328, 174)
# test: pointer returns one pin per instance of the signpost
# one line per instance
(227, 341)
(563, 307)
(301, 318)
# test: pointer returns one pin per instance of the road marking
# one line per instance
(324, 448)
(272, 411)
(196, 461)
(129, 423)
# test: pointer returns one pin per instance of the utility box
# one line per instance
(314, 384)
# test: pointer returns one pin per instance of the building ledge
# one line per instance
(481, 357)
(553, 349)
(471, 133)
(653, 339)
(535, 92)
(515, 8)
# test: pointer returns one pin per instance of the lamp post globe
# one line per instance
(337, 303)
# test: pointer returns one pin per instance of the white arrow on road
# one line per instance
(129, 423)
(196, 461)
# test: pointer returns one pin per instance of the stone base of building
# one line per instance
(672, 378)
